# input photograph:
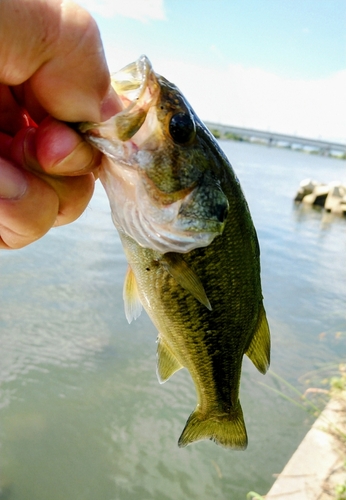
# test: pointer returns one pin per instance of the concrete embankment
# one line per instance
(331, 197)
(318, 466)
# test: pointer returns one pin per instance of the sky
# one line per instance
(274, 65)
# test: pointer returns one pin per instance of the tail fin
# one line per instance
(230, 433)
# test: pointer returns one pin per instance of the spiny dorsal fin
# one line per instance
(185, 276)
(259, 349)
(167, 363)
(132, 304)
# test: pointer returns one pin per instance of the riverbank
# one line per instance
(317, 470)
(311, 146)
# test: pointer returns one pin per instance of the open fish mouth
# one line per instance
(150, 146)
(137, 87)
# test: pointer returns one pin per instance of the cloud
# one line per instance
(142, 10)
(254, 98)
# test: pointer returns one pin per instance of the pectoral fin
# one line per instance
(167, 363)
(186, 277)
(259, 349)
(132, 304)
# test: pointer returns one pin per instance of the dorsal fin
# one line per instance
(132, 304)
(259, 348)
(185, 276)
(167, 363)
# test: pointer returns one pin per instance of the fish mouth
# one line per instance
(163, 221)
(138, 89)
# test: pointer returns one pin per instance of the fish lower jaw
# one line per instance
(116, 150)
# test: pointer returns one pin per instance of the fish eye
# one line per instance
(182, 128)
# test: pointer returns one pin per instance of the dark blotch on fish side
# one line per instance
(221, 212)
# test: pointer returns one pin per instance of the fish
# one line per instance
(194, 265)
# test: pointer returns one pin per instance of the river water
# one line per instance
(82, 415)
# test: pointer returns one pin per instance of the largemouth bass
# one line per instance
(192, 249)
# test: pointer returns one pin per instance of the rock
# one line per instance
(318, 196)
(305, 187)
(332, 196)
(336, 198)
(343, 205)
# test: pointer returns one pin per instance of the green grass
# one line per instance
(252, 495)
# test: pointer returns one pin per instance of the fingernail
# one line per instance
(81, 159)
(13, 183)
(111, 105)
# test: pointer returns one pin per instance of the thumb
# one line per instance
(57, 50)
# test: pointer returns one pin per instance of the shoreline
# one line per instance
(317, 467)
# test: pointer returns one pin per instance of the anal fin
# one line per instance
(185, 276)
(259, 348)
(132, 304)
(167, 363)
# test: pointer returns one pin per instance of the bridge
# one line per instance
(273, 139)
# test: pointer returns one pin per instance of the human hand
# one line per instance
(52, 70)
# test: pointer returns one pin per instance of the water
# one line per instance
(82, 415)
